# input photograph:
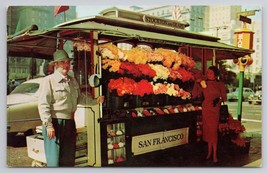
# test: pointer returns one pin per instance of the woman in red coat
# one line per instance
(214, 93)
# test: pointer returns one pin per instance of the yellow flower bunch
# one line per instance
(111, 51)
(187, 61)
(113, 65)
(170, 58)
(171, 91)
(137, 55)
(154, 57)
(161, 71)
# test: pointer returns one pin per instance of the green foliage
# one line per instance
(229, 77)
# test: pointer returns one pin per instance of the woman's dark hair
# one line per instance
(215, 70)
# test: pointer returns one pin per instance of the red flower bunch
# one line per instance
(122, 85)
(146, 70)
(130, 68)
(143, 87)
(186, 75)
(174, 74)
(182, 74)
(241, 142)
(183, 94)
(235, 125)
(231, 126)
(136, 69)
(126, 85)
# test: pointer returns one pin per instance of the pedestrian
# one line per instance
(214, 92)
(57, 103)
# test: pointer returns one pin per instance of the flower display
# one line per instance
(138, 55)
(126, 85)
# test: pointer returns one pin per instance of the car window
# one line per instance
(245, 90)
(26, 88)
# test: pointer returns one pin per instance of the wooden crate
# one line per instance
(35, 148)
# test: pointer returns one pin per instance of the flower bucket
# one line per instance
(235, 149)
(117, 102)
(244, 150)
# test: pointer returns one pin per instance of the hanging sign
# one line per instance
(245, 19)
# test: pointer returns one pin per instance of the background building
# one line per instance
(217, 21)
(194, 15)
(21, 17)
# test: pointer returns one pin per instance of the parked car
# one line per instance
(22, 111)
(233, 96)
(255, 98)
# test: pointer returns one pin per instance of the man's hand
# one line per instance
(50, 132)
(100, 99)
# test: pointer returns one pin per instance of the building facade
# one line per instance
(193, 15)
(217, 21)
(21, 17)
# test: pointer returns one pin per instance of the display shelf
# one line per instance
(116, 149)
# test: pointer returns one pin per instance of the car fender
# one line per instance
(23, 117)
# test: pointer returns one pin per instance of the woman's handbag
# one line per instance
(224, 113)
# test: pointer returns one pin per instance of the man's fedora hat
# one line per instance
(60, 55)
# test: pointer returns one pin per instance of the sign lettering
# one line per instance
(165, 22)
(158, 141)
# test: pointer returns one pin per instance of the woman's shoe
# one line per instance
(208, 157)
(215, 161)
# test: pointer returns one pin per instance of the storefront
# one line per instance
(147, 66)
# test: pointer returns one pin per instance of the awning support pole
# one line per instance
(214, 57)
(240, 96)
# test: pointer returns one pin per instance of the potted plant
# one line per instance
(232, 135)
